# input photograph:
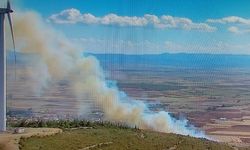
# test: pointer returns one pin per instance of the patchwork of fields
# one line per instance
(212, 97)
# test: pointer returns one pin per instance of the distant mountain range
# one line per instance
(166, 59)
(177, 60)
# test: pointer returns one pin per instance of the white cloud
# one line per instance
(113, 19)
(233, 29)
(72, 16)
(230, 19)
(88, 19)
(238, 30)
(237, 24)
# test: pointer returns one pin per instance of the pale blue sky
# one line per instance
(150, 26)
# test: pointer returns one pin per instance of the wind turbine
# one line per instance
(3, 12)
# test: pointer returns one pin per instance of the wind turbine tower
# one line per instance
(3, 12)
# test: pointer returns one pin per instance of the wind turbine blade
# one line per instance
(11, 29)
(12, 34)
(8, 5)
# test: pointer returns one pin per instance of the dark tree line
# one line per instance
(64, 124)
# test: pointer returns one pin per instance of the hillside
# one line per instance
(114, 138)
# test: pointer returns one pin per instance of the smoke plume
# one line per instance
(63, 60)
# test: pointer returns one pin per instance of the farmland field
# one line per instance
(212, 93)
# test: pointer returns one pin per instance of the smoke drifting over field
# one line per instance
(61, 60)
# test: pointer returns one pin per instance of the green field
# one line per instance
(107, 138)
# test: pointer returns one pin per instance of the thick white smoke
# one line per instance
(63, 60)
